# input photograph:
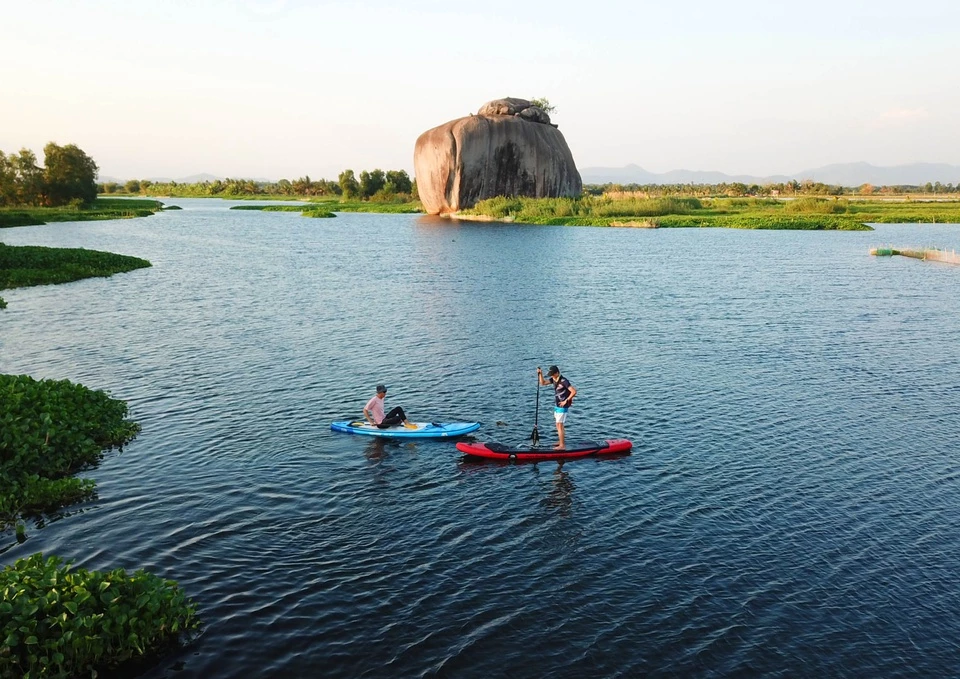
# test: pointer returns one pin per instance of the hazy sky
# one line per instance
(283, 88)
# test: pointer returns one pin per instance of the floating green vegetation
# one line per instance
(26, 265)
(3, 304)
(49, 430)
(59, 623)
(927, 254)
(327, 208)
(809, 213)
(102, 208)
(272, 208)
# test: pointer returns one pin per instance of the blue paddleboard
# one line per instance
(421, 430)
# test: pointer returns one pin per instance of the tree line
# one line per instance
(780, 189)
(68, 177)
(374, 185)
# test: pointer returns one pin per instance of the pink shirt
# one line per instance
(375, 408)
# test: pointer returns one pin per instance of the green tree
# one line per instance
(737, 189)
(132, 186)
(544, 104)
(69, 174)
(348, 184)
(371, 182)
(330, 188)
(29, 178)
(398, 181)
(8, 180)
(303, 186)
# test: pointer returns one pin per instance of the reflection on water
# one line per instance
(376, 449)
(560, 496)
(779, 514)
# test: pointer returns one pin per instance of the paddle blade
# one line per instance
(535, 437)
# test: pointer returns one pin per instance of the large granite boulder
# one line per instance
(509, 148)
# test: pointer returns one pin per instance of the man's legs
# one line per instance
(393, 418)
(560, 415)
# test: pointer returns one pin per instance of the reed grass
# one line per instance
(820, 206)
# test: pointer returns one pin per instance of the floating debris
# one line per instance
(932, 254)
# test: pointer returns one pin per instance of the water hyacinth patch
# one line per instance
(26, 265)
(58, 622)
(49, 430)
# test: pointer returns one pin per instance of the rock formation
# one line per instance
(509, 148)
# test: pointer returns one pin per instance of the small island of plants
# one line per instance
(27, 265)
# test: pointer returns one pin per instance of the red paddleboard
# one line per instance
(498, 451)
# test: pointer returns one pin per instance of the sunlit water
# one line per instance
(791, 506)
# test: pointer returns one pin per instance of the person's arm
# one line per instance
(367, 416)
(543, 380)
(569, 399)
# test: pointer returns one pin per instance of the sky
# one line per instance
(285, 88)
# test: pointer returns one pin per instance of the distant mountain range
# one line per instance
(843, 174)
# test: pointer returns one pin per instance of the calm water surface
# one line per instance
(791, 507)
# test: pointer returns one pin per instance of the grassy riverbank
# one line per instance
(102, 208)
(740, 213)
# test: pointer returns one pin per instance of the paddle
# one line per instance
(535, 436)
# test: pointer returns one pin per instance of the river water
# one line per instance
(791, 506)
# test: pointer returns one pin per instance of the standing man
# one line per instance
(564, 397)
(373, 412)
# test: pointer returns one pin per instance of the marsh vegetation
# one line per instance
(101, 208)
(807, 213)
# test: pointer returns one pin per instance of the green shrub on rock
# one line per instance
(57, 622)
